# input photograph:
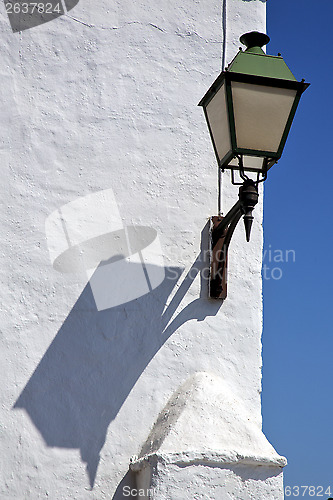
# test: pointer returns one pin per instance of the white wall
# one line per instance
(105, 98)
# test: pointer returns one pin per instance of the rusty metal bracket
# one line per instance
(221, 231)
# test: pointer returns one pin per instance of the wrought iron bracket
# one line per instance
(221, 231)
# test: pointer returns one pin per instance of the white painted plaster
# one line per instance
(202, 428)
(240, 17)
(106, 98)
(204, 481)
(205, 419)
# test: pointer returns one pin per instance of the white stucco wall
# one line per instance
(105, 99)
(199, 481)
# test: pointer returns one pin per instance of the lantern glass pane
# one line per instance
(261, 115)
(217, 115)
(250, 163)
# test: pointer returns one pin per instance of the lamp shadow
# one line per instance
(26, 15)
(96, 358)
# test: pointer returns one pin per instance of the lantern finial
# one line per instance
(254, 39)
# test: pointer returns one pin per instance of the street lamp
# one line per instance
(249, 111)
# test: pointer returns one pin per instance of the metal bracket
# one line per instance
(221, 231)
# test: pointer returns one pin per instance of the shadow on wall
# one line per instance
(26, 15)
(127, 484)
(97, 356)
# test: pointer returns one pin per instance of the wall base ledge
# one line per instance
(211, 458)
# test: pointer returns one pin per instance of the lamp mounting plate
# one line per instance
(218, 270)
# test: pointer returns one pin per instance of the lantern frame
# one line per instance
(261, 70)
(254, 68)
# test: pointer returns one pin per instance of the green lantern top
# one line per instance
(254, 61)
(250, 108)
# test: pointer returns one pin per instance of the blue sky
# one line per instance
(297, 340)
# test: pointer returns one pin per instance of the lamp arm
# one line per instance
(227, 219)
(221, 233)
(231, 230)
